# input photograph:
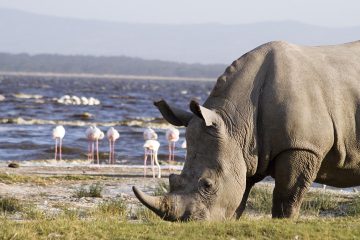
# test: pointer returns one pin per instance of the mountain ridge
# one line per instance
(189, 43)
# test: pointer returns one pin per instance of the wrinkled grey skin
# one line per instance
(288, 111)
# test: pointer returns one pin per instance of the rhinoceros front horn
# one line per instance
(155, 204)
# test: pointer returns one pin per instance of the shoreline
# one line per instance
(103, 76)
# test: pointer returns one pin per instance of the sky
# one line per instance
(329, 13)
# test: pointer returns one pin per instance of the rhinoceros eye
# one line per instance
(206, 184)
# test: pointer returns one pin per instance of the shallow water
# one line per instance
(29, 111)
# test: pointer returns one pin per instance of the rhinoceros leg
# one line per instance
(295, 170)
(250, 182)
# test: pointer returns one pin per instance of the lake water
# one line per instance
(29, 111)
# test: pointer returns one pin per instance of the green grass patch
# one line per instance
(318, 202)
(10, 205)
(353, 206)
(145, 215)
(64, 228)
(260, 200)
(116, 207)
(94, 190)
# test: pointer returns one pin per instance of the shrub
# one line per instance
(10, 205)
(94, 190)
(113, 207)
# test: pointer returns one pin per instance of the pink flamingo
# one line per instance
(58, 134)
(90, 137)
(172, 135)
(112, 134)
(94, 134)
(151, 148)
(150, 134)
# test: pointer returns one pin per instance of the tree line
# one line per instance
(105, 65)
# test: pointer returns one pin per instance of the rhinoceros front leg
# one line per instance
(250, 182)
(294, 172)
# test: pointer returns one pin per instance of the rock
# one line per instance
(84, 115)
(13, 165)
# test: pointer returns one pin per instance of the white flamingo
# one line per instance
(58, 134)
(89, 133)
(94, 134)
(98, 135)
(150, 134)
(151, 148)
(172, 136)
(112, 134)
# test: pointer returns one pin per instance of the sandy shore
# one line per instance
(117, 182)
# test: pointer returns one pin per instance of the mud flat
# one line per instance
(53, 186)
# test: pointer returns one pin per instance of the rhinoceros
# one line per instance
(288, 111)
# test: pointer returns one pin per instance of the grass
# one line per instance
(107, 228)
(114, 218)
(116, 207)
(94, 190)
(353, 207)
(161, 188)
(10, 205)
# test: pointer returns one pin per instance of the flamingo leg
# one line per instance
(173, 151)
(92, 152)
(152, 163)
(56, 141)
(169, 152)
(89, 150)
(97, 151)
(60, 143)
(110, 152)
(157, 163)
(113, 149)
(145, 159)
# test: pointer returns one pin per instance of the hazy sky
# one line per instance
(319, 12)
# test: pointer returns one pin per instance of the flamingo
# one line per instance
(172, 135)
(112, 134)
(58, 134)
(150, 134)
(93, 134)
(151, 148)
(90, 137)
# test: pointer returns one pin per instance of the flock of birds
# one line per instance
(151, 145)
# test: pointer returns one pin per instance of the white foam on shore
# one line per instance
(83, 163)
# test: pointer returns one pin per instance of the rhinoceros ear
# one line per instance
(173, 115)
(207, 115)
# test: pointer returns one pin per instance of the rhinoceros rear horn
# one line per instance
(173, 115)
(207, 115)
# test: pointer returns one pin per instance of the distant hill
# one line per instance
(23, 32)
(105, 65)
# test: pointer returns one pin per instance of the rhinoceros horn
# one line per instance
(173, 115)
(207, 115)
(159, 205)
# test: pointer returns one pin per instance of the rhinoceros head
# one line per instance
(212, 182)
